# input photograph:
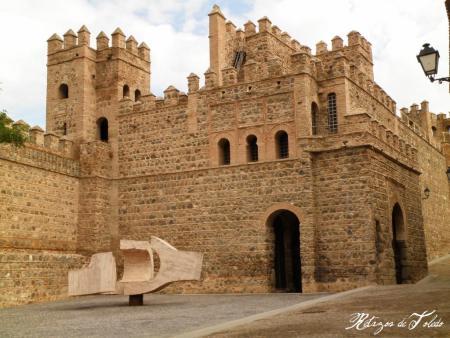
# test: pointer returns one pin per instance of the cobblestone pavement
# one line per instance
(161, 315)
(388, 303)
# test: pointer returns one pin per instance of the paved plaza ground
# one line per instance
(161, 315)
(255, 315)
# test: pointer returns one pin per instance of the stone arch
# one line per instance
(399, 244)
(283, 223)
(395, 198)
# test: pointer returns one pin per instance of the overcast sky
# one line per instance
(177, 33)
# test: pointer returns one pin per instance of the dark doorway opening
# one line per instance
(398, 243)
(286, 228)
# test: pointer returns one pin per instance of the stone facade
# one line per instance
(289, 170)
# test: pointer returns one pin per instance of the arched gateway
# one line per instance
(398, 243)
(284, 226)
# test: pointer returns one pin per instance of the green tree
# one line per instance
(11, 133)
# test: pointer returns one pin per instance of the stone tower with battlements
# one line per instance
(84, 83)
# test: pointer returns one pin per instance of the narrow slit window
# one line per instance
(314, 117)
(282, 144)
(332, 113)
(224, 152)
(252, 148)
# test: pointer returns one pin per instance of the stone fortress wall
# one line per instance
(39, 194)
(161, 171)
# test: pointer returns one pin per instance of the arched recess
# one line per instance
(126, 91)
(399, 243)
(137, 95)
(283, 223)
(63, 91)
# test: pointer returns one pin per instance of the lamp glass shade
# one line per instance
(429, 60)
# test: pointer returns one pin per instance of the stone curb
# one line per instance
(234, 323)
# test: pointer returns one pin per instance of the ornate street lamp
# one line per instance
(429, 60)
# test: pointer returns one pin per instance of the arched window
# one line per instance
(63, 91)
(282, 144)
(137, 95)
(102, 127)
(332, 113)
(224, 152)
(126, 91)
(252, 148)
(433, 130)
(64, 128)
(314, 117)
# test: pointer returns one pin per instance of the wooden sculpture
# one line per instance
(138, 276)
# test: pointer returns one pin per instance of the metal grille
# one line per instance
(283, 144)
(332, 113)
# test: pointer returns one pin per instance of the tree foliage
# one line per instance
(12, 133)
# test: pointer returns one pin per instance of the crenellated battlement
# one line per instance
(37, 138)
(399, 143)
(260, 51)
(118, 39)
(50, 142)
(358, 52)
(361, 79)
(434, 128)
